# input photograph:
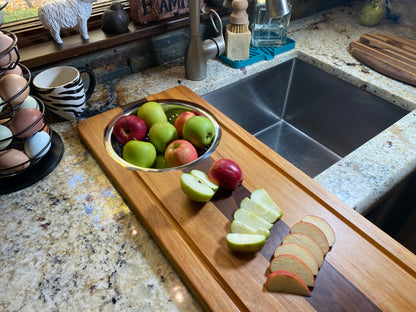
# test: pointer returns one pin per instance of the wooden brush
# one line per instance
(239, 17)
(237, 35)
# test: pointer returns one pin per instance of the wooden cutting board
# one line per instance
(366, 270)
(392, 56)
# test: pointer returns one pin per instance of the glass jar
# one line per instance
(268, 32)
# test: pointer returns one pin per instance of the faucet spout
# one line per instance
(276, 8)
(198, 52)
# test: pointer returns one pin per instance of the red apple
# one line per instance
(180, 121)
(226, 174)
(129, 128)
(197, 112)
(180, 152)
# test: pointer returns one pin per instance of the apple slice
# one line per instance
(245, 243)
(313, 231)
(195, 188)
(204, 178)
(301, 252)
(261, 211)
(294, 265)
(284, 281)
(262, 198)
(307, 242)
(251, 219)
(323, 225)
(242, 228)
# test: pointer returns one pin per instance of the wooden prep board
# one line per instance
(366, 270)
(390, 55)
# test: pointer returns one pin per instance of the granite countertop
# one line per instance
(70, 242)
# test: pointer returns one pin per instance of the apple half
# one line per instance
(197, 186)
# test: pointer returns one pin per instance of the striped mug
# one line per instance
(62, 90)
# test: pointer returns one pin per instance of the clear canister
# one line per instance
(268, 32)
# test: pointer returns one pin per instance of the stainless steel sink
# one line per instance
(308, 116)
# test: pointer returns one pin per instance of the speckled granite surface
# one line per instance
(70, 243)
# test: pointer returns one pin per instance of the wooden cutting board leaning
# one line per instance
(390, 55)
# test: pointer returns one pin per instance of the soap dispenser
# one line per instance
(270, 22)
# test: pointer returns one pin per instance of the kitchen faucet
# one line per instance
(276, 8)
(199, 52)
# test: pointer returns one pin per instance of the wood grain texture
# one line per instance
(365, 268)
(392, 56)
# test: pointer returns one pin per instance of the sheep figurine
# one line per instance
(64, 14)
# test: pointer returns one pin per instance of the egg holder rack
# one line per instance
(45, 159)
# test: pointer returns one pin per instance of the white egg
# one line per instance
(5, 137)
(30, 102)
(38, 144)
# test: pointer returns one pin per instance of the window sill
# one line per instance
(43, 50)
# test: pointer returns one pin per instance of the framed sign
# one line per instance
(145, 11)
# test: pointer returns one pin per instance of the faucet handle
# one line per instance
(219, 40)
(212, 14)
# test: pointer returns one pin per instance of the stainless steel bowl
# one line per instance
(114, 149)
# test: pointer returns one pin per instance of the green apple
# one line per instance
(196, 187)
(245, 243)
(242, 228)
(151, 113)
(262, 198)
(161, 134)
(198, 130)
(261, 211)
(160, 162)
(251, 219)
(139, 153)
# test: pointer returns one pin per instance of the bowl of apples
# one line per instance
(162, 136)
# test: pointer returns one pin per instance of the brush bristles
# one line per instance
(239, 29)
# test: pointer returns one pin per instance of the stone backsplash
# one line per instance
(137, 56)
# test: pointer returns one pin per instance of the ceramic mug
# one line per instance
(62, 90)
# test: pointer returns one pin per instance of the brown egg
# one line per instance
(11, 85)
(17, 70)
(6, 43)
(13, 160)
(26, 122)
